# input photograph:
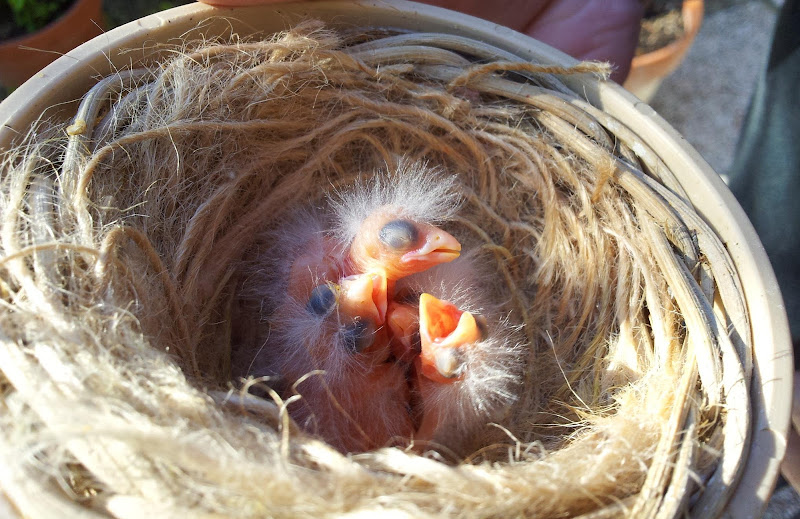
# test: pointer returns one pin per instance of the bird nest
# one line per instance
(123, 232)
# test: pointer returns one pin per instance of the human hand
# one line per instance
(603, 30)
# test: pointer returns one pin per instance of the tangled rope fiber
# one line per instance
(122, 232)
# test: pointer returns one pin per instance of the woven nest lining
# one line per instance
(121, 242)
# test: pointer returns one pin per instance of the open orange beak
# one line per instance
(437, 246)
(364, 296)
(445, 332)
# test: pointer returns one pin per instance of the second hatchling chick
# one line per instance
(467, 357)
(319, 339)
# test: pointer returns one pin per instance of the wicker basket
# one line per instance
(727, 417)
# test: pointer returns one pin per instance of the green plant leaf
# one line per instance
(32, 15)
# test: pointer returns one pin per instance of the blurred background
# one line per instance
(705, 99)
(119, 12)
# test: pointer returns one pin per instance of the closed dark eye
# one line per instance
(322, 300)
(399, 235)
(356, 337)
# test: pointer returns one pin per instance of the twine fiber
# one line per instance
(122, 233)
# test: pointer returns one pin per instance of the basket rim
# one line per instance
(74, 73)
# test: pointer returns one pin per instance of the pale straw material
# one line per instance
(122, 231)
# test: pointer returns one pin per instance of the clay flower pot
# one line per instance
(22, 57)
(649, 70)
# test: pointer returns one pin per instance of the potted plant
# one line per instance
(668, 30)
(35, 32)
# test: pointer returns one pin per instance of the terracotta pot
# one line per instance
(649, 70)
(22, 57)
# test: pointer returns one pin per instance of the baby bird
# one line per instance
(397, 246)
(356, 399)
(320, 335)
(468, 369)
(319, 289)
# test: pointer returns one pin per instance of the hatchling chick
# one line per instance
(467, 358)
(320, 337)
(351, 393)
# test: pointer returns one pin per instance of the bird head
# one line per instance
(445, 333)
(400, 246)
(357, 306)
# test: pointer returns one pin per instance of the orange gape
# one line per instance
(445, 338)
(434, 335)
(444, 331)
